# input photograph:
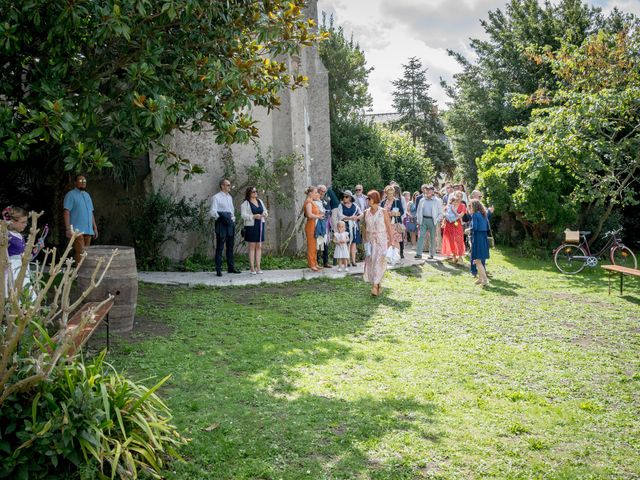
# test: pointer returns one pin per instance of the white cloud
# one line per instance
(392, 32)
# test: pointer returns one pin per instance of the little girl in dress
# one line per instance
(16, 219)
(341, 253)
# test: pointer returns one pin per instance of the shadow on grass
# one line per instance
(504, 287)
(257, 365)
(310, 436)
(448, 268)
(591, 278)
(412, 271)
(630, 299)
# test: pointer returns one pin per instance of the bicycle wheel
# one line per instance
(623, 257)
(565, 261)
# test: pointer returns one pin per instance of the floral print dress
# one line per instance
(375, 264)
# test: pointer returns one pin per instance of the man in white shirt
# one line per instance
(223, 213)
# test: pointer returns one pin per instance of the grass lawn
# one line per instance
(537, 376)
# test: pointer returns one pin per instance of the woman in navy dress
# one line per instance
(480, 240)
(254, 214)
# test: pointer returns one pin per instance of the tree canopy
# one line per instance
(482, 95)
(348, 73)
(84, 82)
(580, 154)
(376, 155)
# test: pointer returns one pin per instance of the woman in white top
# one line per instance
(254, 214)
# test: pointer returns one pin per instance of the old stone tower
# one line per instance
(300, 126)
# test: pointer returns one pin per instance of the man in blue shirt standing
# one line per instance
(78, 216)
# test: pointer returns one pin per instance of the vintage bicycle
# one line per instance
(574, 255)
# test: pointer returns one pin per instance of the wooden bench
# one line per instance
(622, 271)
(79, 335)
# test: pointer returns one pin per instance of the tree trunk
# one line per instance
(603, 219)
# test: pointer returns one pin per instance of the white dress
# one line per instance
(342, 249)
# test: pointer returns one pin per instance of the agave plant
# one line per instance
(64, 419)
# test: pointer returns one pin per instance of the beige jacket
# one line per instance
(247, 216)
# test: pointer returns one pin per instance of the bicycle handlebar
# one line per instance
(612, 232)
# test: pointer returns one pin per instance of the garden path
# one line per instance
(269, 276)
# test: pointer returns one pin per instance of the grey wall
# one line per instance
(300, 126)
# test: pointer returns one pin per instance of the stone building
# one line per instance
(300, 126)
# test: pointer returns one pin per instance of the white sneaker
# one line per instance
(260, 272)
(252, 273)
(339, 269)
(346, 269)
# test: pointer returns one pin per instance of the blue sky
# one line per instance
(391, 31)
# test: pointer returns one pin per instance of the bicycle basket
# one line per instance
(572, 236)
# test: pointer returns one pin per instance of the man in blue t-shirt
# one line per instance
(78, 216)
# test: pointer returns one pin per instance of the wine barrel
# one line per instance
(121, 280)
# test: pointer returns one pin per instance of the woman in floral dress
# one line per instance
(379, 236)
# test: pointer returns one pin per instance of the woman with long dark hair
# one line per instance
(254, 215)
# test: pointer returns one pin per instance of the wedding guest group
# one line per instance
(337, 223)
(435, 220)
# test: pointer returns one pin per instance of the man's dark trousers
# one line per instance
(224, 237)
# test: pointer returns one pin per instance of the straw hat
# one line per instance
(348, 193)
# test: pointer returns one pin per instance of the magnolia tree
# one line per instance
(89, 82)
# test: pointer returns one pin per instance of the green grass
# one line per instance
(198, 263)
(537, 376)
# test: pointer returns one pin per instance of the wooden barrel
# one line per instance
(121, 280)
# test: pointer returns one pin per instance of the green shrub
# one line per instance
(86, 421)
(155, 220)
(203, 263)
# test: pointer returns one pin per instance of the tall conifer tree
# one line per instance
(419, 114)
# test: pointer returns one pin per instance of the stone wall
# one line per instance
(300, 126)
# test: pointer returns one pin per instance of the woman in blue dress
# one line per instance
(479, 240)
(349, 212)
(254, 214)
